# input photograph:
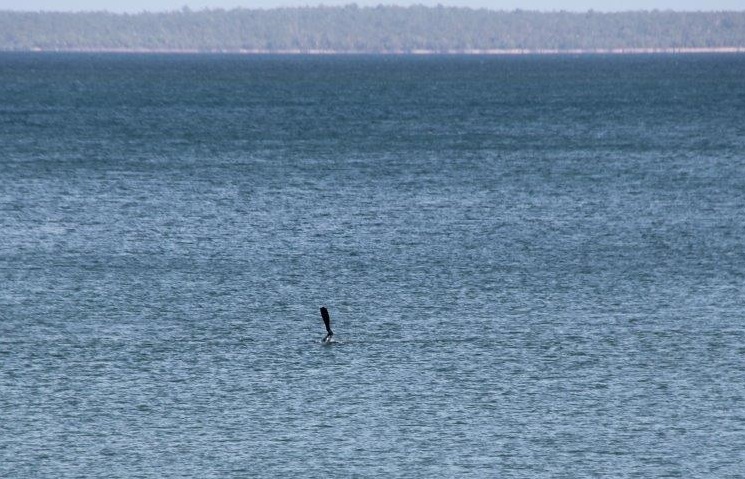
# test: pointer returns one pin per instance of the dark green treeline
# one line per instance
(377, 29)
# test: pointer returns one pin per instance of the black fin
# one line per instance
(326, 320)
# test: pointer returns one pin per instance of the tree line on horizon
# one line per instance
(369, 29)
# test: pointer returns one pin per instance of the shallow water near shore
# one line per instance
(533, 265)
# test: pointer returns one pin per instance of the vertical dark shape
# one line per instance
(327, 323)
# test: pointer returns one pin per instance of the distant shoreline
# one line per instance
(494, 52)
(381, 30)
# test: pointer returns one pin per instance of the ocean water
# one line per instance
(535, 266)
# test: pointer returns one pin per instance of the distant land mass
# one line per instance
(382, 29)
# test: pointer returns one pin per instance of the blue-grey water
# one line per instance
(535, 266)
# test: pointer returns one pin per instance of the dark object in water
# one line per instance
(327, 323)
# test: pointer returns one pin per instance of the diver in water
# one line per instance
(327, 323)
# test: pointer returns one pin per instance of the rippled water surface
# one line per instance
(534, 266)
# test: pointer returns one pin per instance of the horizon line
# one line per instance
(415, 52)
(321, 6)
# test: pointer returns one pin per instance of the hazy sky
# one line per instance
(580, 5)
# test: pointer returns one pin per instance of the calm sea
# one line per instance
(535, 266)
